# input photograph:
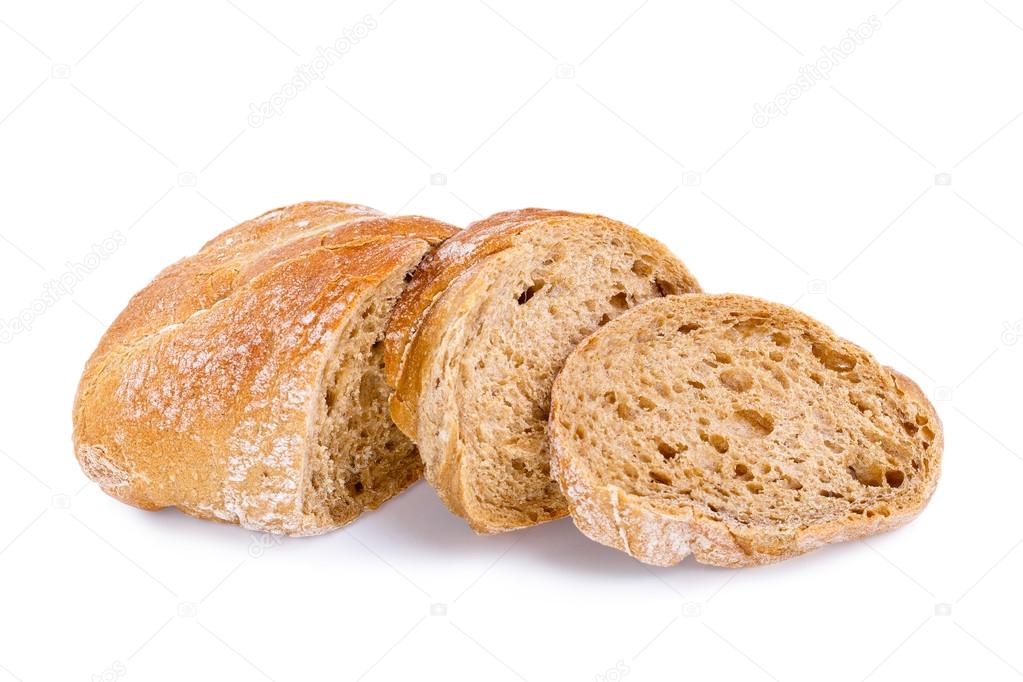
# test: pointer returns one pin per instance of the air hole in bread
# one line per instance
(619, 301)
(861, 403)
(777, 356)
(717, 441)
(658, 476)
(699, 386)
(737, 379)
(604, 319)
(742, 471)
(646, 403)
(869, 474)
(750, 326)
(530, 291)
(518, 464)
(723, 358)
(687, 328)
(781, 339)
(760, 423)
(832, 358)
(667, 451)
(665, 288)
(894, 478)
(833, 446)
(642, 268)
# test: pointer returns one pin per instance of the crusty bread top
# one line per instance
(736, 429)
(237, 255)
(202, 392)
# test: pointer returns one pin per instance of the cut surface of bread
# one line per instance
(737, 430)
(245, 383)
(479, 334)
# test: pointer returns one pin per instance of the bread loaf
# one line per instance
(740, 431)
(245, 383)
(479, 334)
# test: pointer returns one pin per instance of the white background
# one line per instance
(886, 201)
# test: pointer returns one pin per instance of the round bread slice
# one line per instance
(245, 383)
(479, 334)
(740, 431)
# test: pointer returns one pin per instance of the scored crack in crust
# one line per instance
(479, 334)
(737, 430)
(245, 384)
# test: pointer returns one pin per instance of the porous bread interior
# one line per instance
(755, 418)
(544, 295)
(360, 459)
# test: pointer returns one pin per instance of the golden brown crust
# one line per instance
(663, 536)
(201, 393)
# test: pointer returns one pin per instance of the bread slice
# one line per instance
(479, 334)
(245, 383)
(740, 431)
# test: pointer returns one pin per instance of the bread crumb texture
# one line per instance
(245, 383)
(737, 430)
(481, 332)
